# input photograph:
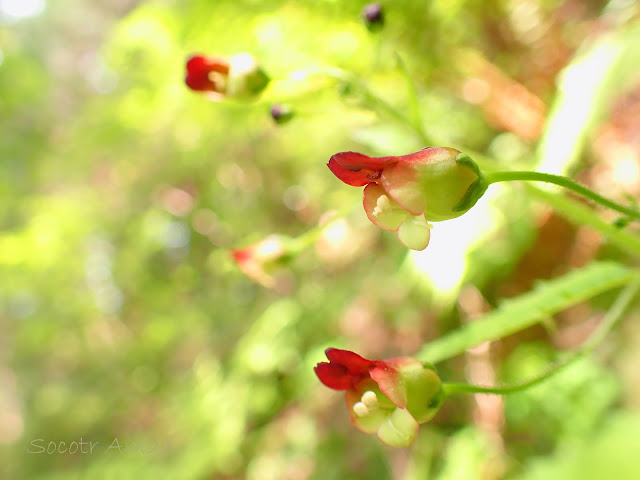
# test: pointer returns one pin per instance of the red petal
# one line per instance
(429, 154)
(356, 169)
(199, 83)
(354, 363)
(333, 375)
(201, 65)
(355, 179)
(390, 384)
(356, 161)
(241, 255)
(196, 65)
(198, 69)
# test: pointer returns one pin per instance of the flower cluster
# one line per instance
(403, 193)
(388, 397)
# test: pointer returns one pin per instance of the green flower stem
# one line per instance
(465, 388)
(371, 98)
(599, 334)
(415, 121)
(308, 238)
(563, 182)
(580, 214)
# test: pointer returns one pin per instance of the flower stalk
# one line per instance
(613, 315)
(261, 260)
(561, 181)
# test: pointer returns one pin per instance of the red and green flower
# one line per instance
(388, 397)
(260, 260)
(404, 193)
(238, 76)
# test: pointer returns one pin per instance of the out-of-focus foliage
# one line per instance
(124, 321)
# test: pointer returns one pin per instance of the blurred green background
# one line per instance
(125, 322)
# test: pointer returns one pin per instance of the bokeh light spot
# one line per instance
(14, 10)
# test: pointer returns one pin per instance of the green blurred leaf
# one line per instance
(526, 310)
(470, 455)
(610, 453)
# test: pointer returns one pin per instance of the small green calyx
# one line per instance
(424, 392)
(433, 185)
(476, 189)
(246, 77)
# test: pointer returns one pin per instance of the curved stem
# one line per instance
(370, 97)
(579, 213)
(616, 312)
(415, 119)
(308, 238)
(462, 388)
(563, 182)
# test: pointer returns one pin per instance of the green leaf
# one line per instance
(533, 307)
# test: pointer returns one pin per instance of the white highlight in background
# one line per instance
(14, 10)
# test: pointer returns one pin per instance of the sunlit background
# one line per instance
(124, 318)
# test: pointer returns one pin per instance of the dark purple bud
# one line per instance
(373, 15)
(281, 113)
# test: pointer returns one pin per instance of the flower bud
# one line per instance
(373, 16)
(281, 113)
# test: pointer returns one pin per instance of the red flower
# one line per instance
(257, 261)
(206, 73)
(403, 193)
(237, 76)
(388, 397)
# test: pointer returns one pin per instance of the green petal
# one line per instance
(401, 181)
(381, 209)
(369, 423)
(399, 429)
(415, 233)
(424, 392)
